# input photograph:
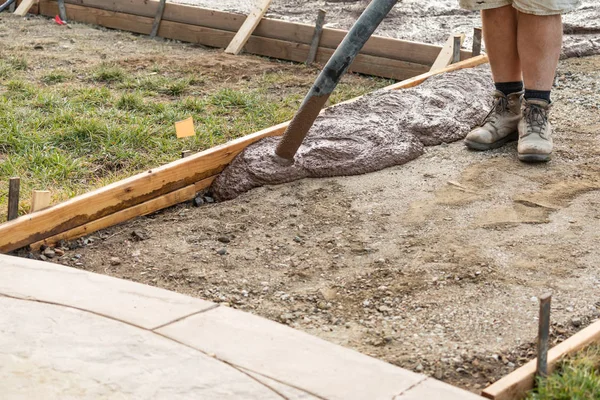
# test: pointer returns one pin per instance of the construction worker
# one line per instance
(523, 40)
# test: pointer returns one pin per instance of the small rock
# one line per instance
(198, 201)
(224, 239)
(298, 239)
(322, 305)
(209, 199)
(136, 253)
(114, 261)
(59, 252)
(140, 235)
(576, 321)
(43, 257)
(328, 294)
(419, 368)
(222, 251)
(50, 253)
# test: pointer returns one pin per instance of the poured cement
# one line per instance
(380, 130)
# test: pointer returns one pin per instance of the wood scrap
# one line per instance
(40, 199)
(477, 34)
(24, 7)
(447, 53)
(14, 187)
(242, 36)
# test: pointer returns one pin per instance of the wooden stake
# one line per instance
(447, 53)
(314, 46)
(476, 42)
(158, 18)
(62, 11)
(543, 336)
(14, 186)
(24, 7)
(12, 7)
(40, 199)
(458, 39)
(242, 36)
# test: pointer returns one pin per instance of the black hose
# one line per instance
(5, 5)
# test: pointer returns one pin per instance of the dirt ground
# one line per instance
(433, 266)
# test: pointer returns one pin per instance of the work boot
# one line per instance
(500, 125)
(535, 132)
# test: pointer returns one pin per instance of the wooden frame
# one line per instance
(196, 169)
(515, 385)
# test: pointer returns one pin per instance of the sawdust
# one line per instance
(378, 131)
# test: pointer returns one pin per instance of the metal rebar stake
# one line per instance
(543, 335)
(335, 68)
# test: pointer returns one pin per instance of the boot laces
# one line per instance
(500, 107)
(536, 118)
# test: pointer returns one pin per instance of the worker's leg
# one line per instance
(539, 43)
(500, 36)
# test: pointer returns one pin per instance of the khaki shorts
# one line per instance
(536, 7)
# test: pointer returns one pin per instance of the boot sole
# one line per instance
(534, 158)
(491, 146)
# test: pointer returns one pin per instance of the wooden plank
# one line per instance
(40, 199)
(365, 64)
(446, 55)
(24, 7)
(249, 25)
(148, 185)
(458, 39)
(14, 187)
(158, 18)
(159, 203)
(270, 28)
(515, 385)
(314, 45)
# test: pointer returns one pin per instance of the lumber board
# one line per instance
(515, 385)
(241, 37)
(40, 199)
(447, 53)
(405, 50)
(154, 183)
(148, 207)
(365, 64)
(24, 7)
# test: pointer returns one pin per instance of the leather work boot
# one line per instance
(535, 132)
(500, 125)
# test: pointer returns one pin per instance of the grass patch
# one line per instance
(115, 122)
(576, 378)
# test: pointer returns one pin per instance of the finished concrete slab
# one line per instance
(71, 334)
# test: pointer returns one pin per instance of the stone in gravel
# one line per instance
(222, 251)
(576, 321)
(224, 239)
(114, 261)
(43, 257)
(49, 253)
(328, 294)
(59, 252)
(198, 201)
(209, 199)
(140, 235)
(298, 239)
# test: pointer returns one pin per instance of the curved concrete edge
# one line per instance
(130, 302)
(292, 364)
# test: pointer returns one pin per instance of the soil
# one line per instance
(433, 265)
(418, 20)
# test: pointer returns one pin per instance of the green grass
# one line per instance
(577, 378)
(72, 131)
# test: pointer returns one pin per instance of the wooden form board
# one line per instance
(447, 53)
(419, 53)
(515, 385)
(143, 187)
(40, 199)
(275, 48)
(24, 7)
(243, 34)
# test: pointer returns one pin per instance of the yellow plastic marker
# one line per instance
(185, 128)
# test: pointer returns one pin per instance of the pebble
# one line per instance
(224, 239)
(49, 253)
(59, 252)
(222, 251)
(576, 321)
(114, 261)
(43, 257)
